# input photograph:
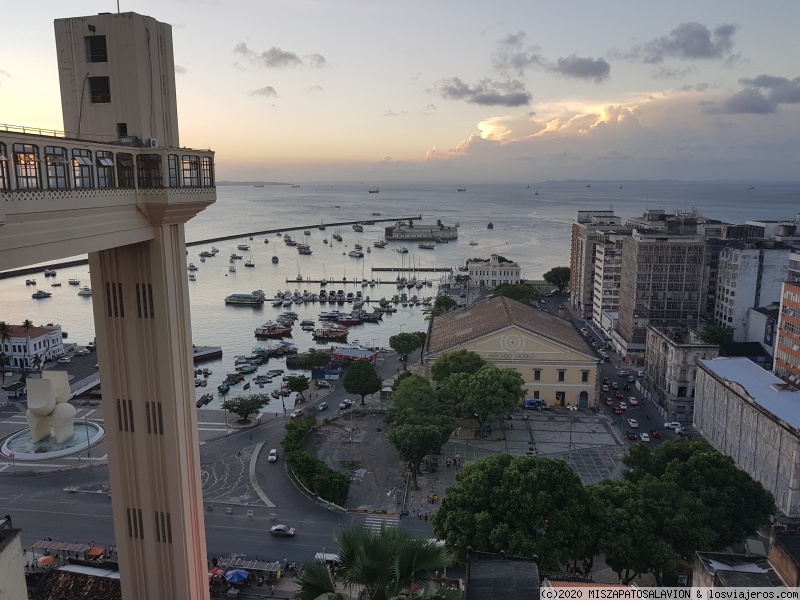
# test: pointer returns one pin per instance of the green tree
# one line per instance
(362, 379)
(718, 335)
(404, 344)
(378, 565)
(299, 384)
(5, 361)
(460, 361)
(441, 305)
(316, 360)
(244, 406)
(413, 441)
(521, 505)
(27, 325)
(462, 279)
(527, 294)
(558, 277)
(490, 391)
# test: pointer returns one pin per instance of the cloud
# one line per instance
(582, 68)
(688, 41)
(762, 96)
(275, 58)
(391, 113)
(677, 73)
(179, 70)
(4, 73)
(428, 110)
(315, 88)
(267, 91)
(512, 56)
(486, 92)
(780, 89)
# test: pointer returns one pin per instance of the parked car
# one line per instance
(672, 425)
(535, 403)
(655, 433)
(644, 437)
(617, 410)
(633, 423)
(82, 352)
(273, 455)
(619, 395)
(681, 431)
(605, 388)
(585, 331)
(631, 436)
(623, 406)
(322, 405)
(633, 400)
(609, 401)
(282, 531)
(631, 378)
(615, 385)
(64, 360)
(297, 412)
(622, 373)
(627, 386)
(323, 383)
(346, 403)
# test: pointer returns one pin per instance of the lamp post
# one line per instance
(88, 450)
(13, 464)
(226, 420)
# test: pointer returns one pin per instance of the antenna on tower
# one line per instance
(117, 6)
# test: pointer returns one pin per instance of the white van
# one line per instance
(329, 559)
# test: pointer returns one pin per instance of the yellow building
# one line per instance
(555, 361)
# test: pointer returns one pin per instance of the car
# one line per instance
(631, 435)
(681, 431)
(534, 404)
(655, 433)
(627, 386)
(561, 306)
(346, 403)
(615, 385)
(542, 301)
(605, 388)
(633, 400)
(585, 331)
(622, 373)
(617, 410)
(606, 380)
(623, 406)
(619, 395)
(644, 437)
(672, 425)
(322, 406)
(631, 379)
(609, 401)
(82, 352)
(323, 383)
(633, 423)
(282, 531)
(273, 455)
(64, 360)
(297, 412)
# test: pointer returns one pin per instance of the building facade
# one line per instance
(607, 277)
(753, 417)
(662, 281)
(786, 359)
(670, 369)
(585, 238)
(493, 272)
(31, 348)
(750, 275)
(117, 184)
(556, 363)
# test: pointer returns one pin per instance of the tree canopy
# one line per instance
(489, 391)
(244, 406)
(521, 505)
(718, 335)
(299, 384)
(460, 361)
(362, 379)
(527, 294)
(441, 305)
(404, 344)
(558, 276)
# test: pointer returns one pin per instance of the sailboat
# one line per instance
(250, 262)
(299, 276)
(74, 280)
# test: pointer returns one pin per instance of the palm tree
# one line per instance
(27, 325)
(5, 361)
(385, 565)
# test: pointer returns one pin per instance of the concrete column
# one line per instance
(144, 341)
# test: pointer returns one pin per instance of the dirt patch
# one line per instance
(357, 445)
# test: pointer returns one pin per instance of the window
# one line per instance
(100, 89)
(172, 169)
(26, 166)
(537, 375)
(191, 171)
(149, 171)
(206, 172)
(561, 397)
(5, 181)
(536, 395)
(96, 50)
(105, 169)
(122, 130)
(82, 170)
(561, 375)
(125, 170)
(584, 376)
(56, 163)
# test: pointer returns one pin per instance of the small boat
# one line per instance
(462, 189)
(272, 329)
(374, 190)
(266, 241)
(246, 386)
(85, 291)
(296, 185)
(192, 277)
(379, 244)
(536, 193)
(74, 281)
(202, 259)
(192, 267)
(232, 268)
(38, 294)
(250, 262)
(306, 232)
(214, 249)
(473, 243)
(243, 246)
(55, 285)
(490, 226)
(224, 388)
(426, 246)
(275, 260)
(235, 256)
(304, 250)
(356, 254)
(30, 282)
(401, 250)
(376, 214)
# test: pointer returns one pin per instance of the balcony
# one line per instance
(63, 196)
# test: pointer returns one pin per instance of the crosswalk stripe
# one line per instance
(375, 523)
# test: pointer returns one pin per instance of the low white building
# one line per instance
(753, 417)
(22, 346)
(493, 272)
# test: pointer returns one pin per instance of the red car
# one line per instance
(655, 433)
(619, 395)
(617, 410)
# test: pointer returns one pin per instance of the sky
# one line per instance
(458, 90)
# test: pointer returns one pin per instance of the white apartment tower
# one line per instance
(118, 186)
(607, 275)
(585, 238)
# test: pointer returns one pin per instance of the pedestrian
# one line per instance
(239, 453)
(251, 436)
(426, 516)
(214, 561)
(24, 550)
(272, 590)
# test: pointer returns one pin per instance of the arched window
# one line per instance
(105, 169)
(82, 168)
(26, 167)
(56, 163)
(5, 181)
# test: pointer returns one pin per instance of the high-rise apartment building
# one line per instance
(118, 185)
(786, 363)
(585, 238)
(607, 277)
(661, 284)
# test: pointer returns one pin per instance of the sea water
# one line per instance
(531, 225)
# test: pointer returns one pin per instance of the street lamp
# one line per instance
(88, 450)
(13, 464)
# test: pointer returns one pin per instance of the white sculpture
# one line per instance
(48, 407)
